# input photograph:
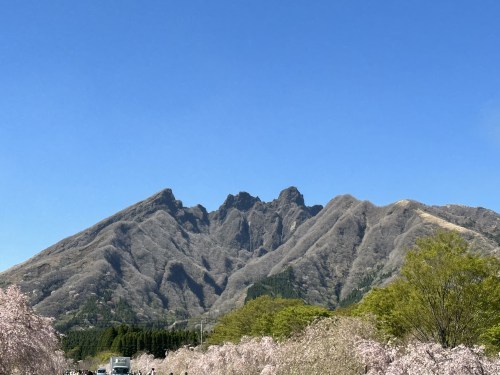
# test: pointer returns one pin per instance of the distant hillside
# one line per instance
(160, 261)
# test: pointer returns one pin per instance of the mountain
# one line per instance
(160, 261)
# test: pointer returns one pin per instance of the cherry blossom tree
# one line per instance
(339, 345)
(425, 359)
(28, 342)
(327, 346)
(249, 357)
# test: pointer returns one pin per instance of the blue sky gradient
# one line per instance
(104, 103)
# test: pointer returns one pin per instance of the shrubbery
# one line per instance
(266, 316)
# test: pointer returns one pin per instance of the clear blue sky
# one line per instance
(104, 103)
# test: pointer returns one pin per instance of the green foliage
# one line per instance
(106, 338)
(265, 316)
(295, 318)
(81, 344)
(445, 294)
(125, 340)
(382, 302)
(282, 285)
(491, 339)
(104, 356)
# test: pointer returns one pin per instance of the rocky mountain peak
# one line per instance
(164, 199)
(241, 201)
(291, 195)
(166, 196)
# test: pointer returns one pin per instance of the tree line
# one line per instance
(125, 340)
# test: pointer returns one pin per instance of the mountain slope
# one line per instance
(159, 260)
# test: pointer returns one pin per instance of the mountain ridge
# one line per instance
(166, 261)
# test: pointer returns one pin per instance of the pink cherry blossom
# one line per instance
(28, 342)
(341, 345)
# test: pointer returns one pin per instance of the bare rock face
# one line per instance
(245, 222)
(159, 260)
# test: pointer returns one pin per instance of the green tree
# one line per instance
(106, 338)
(253, 319)
(265, 316)
(382, 303)
(445, 293)
(296, 318)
